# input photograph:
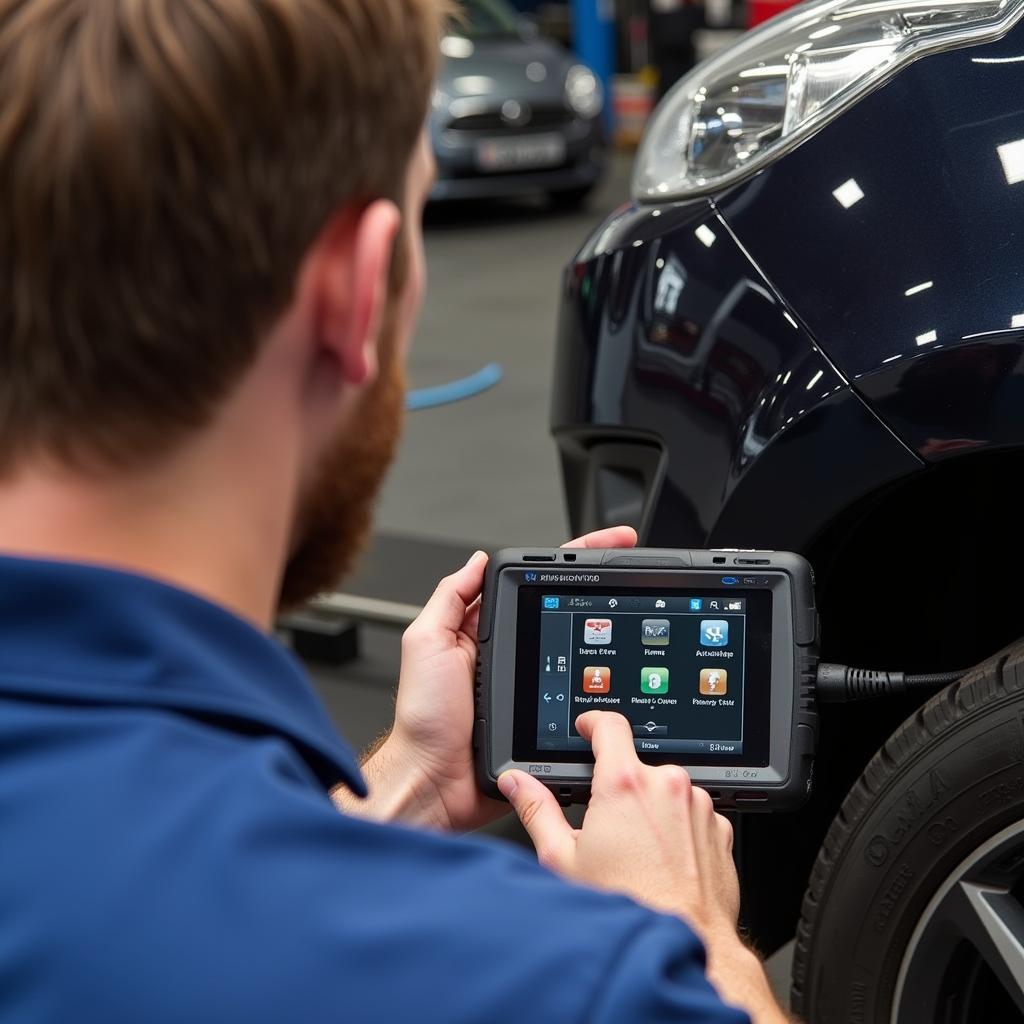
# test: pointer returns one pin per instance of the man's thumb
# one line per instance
(538, 810)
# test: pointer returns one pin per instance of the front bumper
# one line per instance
(459, 175)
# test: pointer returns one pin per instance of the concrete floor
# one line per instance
(483, 472)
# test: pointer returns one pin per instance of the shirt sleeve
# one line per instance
(658, 976)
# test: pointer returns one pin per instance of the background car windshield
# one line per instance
(486, 18)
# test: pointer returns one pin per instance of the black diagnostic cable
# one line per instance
(841, 684)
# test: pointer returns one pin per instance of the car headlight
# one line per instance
(780, 83)
(584, 91)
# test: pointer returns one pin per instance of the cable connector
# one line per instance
(841, 684)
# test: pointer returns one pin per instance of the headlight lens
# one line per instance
(584, 91)
(781, 82)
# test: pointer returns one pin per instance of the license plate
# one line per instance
(521, 154)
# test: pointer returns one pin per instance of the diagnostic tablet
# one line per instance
(710, 656)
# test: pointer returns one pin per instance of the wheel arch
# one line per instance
(919, 575)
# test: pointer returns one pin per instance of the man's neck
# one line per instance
(191, 524)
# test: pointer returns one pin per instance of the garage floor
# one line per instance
(482, 472)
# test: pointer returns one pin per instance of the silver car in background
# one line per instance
(513, 113)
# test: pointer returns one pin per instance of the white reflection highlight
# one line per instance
(785, 313)
(670, 287)
(815, 379)
(1011, 156)
(474, 84)
(457, 47)
(1018, 320)
(828, 30)
(927, 338)
(922, 287)
(706, 235)
(893, 359)
(848, 193)
(467, 106)
(997, 60)
(770, 71)
(785, 380)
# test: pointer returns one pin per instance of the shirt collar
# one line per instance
(87, 634)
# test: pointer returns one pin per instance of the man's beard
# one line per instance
(335, 516)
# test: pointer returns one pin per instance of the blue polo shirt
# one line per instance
(169, 851)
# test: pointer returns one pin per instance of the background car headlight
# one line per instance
(584, 91)
(778, 84)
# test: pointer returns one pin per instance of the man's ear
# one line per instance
(353, 287)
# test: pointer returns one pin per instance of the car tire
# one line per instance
(571, 198)
(914, 912)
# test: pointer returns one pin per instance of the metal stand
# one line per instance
(327, 630)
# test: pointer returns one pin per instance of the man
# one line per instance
(211, 265)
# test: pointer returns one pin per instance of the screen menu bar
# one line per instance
(671, 605)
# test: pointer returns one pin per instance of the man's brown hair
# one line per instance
(164, 167)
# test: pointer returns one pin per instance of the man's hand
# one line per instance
(652, 835)
(423, 771)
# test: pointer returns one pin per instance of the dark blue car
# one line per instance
(806, 332)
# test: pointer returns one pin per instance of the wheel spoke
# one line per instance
(992, 920)
(975, 907)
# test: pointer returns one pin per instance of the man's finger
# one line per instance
(447, 606)
(538, 810)
(612, 537)
(611, 737)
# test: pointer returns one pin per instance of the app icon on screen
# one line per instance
(714, 633)
(597, 679)
(714, 682)
(696, 604)
(550, 602)
(655, 632)
(654, 680)
(597, 631)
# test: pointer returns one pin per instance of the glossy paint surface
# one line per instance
(929, 256)
(957, 401)
(670, 331)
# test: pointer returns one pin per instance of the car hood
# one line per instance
(497, 67)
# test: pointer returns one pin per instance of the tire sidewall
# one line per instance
(958, 790)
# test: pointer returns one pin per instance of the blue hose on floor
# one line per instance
(456, 390)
